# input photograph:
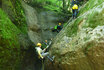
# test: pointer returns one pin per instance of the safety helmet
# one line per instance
(59, 23)
(39, 44)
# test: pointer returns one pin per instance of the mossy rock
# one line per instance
(9, 44)
(15, 12)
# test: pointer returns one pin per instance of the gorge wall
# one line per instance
(80, 45)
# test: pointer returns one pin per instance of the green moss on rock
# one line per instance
(14, 10)
(96, 20)
(72, 30)
(9, 45)
(91, 4)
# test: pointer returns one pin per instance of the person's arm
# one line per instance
(40, 54)
(44, 49)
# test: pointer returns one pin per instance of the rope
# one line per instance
(42, 64)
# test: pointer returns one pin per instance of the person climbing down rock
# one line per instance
(57, 28)
(74, 5)
(74, 11)
(42, 54)
(44, 44)
(54, 29)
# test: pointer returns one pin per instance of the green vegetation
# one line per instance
(65, 24)
(72, 30)
(16, 13)
(90, 4)
(88, 46)
(60, 7)
(96, 20)
(93, 19)
(9, 45)
(20, 17)
(13, 23)
(49, 4)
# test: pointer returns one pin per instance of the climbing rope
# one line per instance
(42, 64)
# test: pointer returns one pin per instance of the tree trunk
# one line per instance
(64, 4)
(0, 3)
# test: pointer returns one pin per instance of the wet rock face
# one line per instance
(80, 45)
(83, 55)
(33, 27)
(39, 23)
(14, 41)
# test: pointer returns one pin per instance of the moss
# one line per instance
(9, 45)
(65, 24)
(16, 13)
(88, 46)
(20, 17)
(72, 30)
(91, 4)
(86, 38)
(95, 19)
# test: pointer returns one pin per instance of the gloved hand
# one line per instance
(42, 57)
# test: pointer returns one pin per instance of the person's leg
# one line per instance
(73, 13)
(76, 12)
(50, 58)
(45, 54)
